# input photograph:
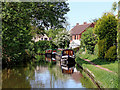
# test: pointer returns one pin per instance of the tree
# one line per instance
(17, 19)
(52, 33)
(15, 30)
(62, 39)
(116, 6)
(106, 28)
(89, 40)
(118, 36)
(49, 15)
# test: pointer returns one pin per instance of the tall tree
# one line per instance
(89, 40)
(17, 18)
(52, 33)
(49, 15)
(62, 39)
(106, 30)
(118, 38)
(116, 6)
(15, 30)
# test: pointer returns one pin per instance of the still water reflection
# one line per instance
(45, 75)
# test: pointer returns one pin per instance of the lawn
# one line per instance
(113, 65)
(105, 79)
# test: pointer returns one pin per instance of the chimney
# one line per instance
(77, 24)
(85, 22)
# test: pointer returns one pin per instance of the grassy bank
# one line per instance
(105, 79)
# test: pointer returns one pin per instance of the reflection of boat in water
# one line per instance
(68, 56)
(67, 68)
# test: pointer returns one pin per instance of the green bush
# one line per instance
(106, 30)
(111, 54)
(41, 46)
(96, 49)
(101, 48)
(89, 39)
(81, 50)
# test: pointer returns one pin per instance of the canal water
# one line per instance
(47, 74)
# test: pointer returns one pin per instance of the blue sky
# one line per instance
(85, 11)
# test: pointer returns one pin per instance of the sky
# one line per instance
(81, 12)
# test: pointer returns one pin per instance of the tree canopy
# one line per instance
(62, 39)
(106, 30)
(52, 33)
(89, 40)
(17, 19)
(49, 15)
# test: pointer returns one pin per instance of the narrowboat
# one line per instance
(68, 56)
(50, 51)
(49, 58)
(59, 51)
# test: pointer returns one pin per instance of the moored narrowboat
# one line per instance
(50, 51)
(68, 56)
(59, 51)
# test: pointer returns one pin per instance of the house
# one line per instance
(41, 37)
(76, 33)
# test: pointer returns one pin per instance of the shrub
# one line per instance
(106, 29)
(111, 53)
(89, 40)
(96, 49)
(101, 48)
(81, 50)
(41, 46)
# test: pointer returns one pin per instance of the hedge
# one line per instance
(111, 54)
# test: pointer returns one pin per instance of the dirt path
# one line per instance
(98, 65)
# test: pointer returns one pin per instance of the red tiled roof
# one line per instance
(78, 29)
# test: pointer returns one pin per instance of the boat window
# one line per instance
(69, 52)
(65, 53)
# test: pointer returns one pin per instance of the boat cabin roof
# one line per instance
(67, 50)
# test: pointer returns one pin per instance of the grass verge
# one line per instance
(105, 79)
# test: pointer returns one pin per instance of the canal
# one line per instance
(47, 74)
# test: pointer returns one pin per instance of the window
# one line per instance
(41, 38)
(75, 37)
(45, 38)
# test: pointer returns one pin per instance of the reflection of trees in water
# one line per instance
(57, 72)
(57, 77)
(41, 69)
(40, 76)
(14, 78)
(29, 71)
